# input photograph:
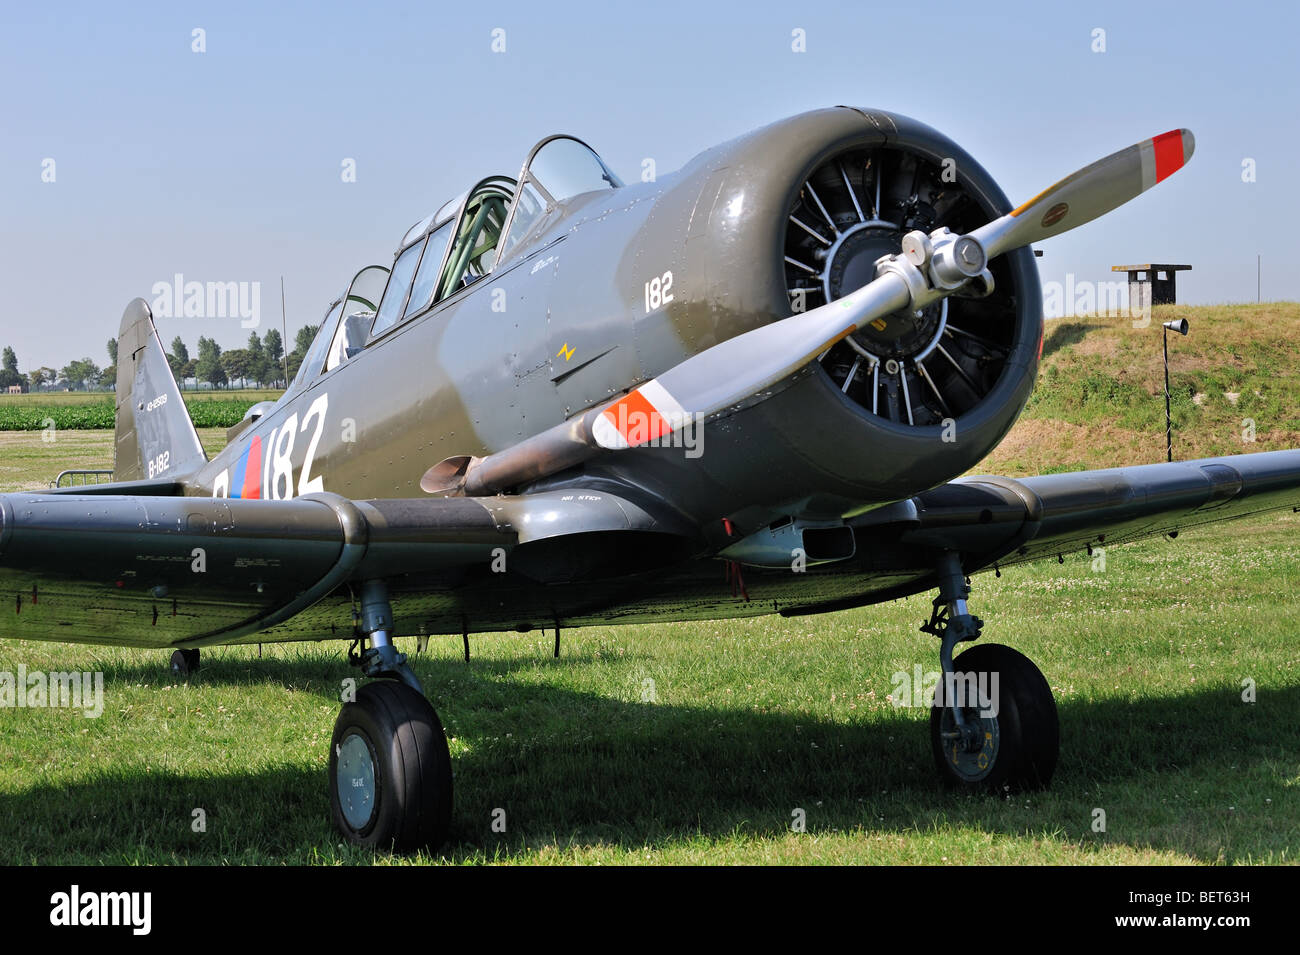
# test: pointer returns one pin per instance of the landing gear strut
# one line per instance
(993, 723)
(184, 663)
(390, 769)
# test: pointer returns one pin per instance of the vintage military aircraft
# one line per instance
(748, 387)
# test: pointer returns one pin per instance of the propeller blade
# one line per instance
(1091, 192)
(702, 385)
(739, 368)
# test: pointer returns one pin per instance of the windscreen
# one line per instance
(559, 169)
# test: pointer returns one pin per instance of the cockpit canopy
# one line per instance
(454, 247)
(346, 326)
(471, 235)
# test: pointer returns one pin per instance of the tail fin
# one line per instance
(155, 437)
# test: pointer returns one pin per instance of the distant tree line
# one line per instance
(261, 363)
(74, 376)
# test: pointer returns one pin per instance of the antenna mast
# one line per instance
(284, 332)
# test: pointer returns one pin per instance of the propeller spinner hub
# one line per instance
(851, 263)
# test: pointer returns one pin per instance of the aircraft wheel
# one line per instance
(390, 770)
(184, 663)
(1021, 742)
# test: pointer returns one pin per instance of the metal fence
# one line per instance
(82, 478)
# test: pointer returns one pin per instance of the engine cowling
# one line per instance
(909, 402)
(753, 231)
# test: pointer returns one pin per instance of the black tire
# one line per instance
(1023, 740)
(406, 804)
(184, 663)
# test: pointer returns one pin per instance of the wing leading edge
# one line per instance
(1002, 520)
(186, 571)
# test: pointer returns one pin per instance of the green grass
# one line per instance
(1099, 402)
(91, 397)
(755, 719)
(72, 411)
(752, 720)
(33, 459)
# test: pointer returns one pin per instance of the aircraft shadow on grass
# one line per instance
(620, 772)
(1063, 334)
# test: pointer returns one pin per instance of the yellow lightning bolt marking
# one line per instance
(566, 351)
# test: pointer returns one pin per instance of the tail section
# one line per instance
(155, 437)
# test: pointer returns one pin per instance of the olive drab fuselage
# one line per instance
(610, 289)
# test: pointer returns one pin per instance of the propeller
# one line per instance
(928, 269)
(1091, 192)
(776, 351)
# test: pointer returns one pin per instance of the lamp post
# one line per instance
(1179, 326)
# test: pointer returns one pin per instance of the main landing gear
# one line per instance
(184, 663)
(993, 723)
(389, 770)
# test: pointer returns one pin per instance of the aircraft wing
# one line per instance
(157, 571)
(997, 520)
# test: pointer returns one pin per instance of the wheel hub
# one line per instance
(971, 762)
(355, 781)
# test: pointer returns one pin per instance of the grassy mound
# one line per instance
(1234, 385)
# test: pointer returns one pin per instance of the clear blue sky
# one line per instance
(225, 165)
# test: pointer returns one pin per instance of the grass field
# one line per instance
(55, 411)
(750, 722)
(29, 460)
(91, 397)
(1099, 402)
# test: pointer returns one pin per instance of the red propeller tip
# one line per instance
(1169, 153)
